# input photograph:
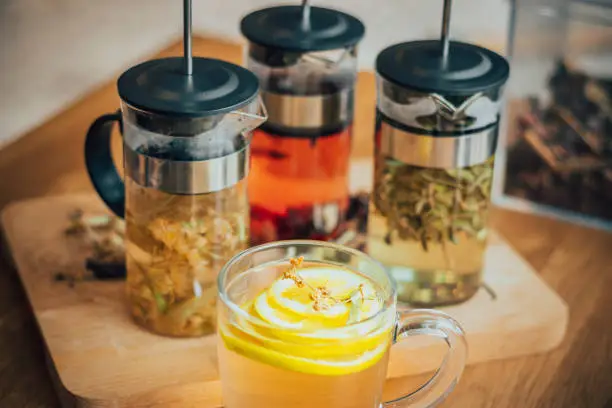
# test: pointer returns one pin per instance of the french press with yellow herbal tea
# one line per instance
(437, 125)
(186, 126)
(306, 60)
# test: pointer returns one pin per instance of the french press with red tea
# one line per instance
(438, 112)
(306, 60)
(186, 126)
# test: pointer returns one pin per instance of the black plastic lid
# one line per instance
(160, 86)
(418, 65)
(281, 27)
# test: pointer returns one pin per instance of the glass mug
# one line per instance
(332, 364)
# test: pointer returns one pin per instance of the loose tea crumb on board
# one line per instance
(60, 277)
(70, 279)
(103, 236)
(489, 290)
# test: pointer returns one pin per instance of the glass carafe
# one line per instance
(306, 61)
(185, 192)
(436, 135)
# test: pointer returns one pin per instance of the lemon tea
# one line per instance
(306, 324)
(313, 345)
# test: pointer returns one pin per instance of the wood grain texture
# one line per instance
(575, 261)
(104, 360)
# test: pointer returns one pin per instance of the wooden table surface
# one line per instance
(575, 261)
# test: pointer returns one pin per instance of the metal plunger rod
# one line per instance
(305, 15)
(445, 35)
(187, 37)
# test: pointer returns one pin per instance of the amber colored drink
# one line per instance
(316, 335)
(257, 385)
(298, 186)
(176, 245)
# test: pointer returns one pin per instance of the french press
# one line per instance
(186, 125)
(437, 124)
(306, 60)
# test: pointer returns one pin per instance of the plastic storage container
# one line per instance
(558, 156)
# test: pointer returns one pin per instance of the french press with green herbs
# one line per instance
(186, 125)
(438, 113)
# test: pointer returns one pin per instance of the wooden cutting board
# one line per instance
(101, 359)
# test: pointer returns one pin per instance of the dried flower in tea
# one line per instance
(321, 296)
(176, 245)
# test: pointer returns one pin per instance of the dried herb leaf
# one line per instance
(432, 205)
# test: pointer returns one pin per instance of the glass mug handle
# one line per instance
(440, 325)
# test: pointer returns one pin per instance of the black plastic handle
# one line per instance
(99, 162)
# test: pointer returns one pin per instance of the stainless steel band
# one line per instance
(187, 177)
(298, 111)
(437, 151)
(476, 112)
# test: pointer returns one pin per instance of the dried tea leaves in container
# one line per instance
(437, 126)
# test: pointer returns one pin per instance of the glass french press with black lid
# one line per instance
(438, 112)
(306, 60)
(186, 125)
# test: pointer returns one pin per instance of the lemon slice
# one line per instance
(319, 366)
(320, 343)
(341, 284)
(355, 338)
(276, 316)
(289, 306)
(340, 348)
